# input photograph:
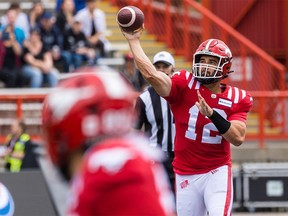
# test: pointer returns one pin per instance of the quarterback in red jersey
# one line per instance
(87, 124)
(209, 116)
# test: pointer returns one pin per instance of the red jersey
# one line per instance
(199, 147)
(121, 176)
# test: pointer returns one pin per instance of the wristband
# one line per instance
(220, 123)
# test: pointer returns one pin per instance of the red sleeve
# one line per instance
(241, 110)
(124, 184)
(179, 82)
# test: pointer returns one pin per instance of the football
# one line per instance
(130, 18)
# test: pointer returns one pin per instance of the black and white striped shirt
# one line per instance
(155, 114)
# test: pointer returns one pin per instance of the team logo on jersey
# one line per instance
(224, 102)
(184, 184)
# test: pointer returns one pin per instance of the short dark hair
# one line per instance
(14, 5)
(35, 30)
(22, 125)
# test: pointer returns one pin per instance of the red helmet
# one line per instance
(83, 107)
(215, 48)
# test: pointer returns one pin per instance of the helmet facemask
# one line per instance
(208, 73)
(211, 72)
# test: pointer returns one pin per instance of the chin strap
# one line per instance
(227, 74)
(208, 81)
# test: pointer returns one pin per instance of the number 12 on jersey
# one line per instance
(191, 132)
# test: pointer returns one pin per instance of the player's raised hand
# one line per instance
(203, 107)
(133, 34)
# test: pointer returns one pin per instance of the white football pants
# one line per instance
(199, 194)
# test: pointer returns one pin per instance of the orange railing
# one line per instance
(262, 100)
(269, 105)
(12, 106)
(184, 24)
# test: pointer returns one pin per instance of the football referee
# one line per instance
(155, 115)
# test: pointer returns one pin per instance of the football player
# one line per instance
(209, 116)
(87, 124)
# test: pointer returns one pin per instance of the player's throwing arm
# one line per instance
(129, 19)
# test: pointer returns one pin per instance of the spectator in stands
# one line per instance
(10, 61)
(21, 20)
(11, 15)
(79, 4)
(94, 27)
(76, 48)
(132, 74)
(38, 62)
(64, 18)
(50, 35)
(15, 146)
(35, 14)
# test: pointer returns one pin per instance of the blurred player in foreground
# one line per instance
(87, 124)
(208, 116)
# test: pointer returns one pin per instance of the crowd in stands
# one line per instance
(37, 45)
